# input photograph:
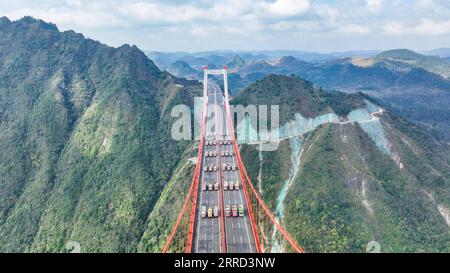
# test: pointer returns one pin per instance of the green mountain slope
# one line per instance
(343, 184)
(404, 59)
(181, 68)
(85, 138)
(236, 62)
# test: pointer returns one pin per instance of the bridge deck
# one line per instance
(207, 237)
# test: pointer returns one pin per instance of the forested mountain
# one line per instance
(85, 139)
(181, 68)
(405, 60)
(347, 173)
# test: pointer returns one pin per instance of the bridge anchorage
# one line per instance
(223, 212)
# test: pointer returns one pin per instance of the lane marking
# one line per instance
(206, 241)
(200, 217)
(230, 161)
(226, 221)
(245, 216)
(200, 222)
(222, 228)
(231, 197)
(212, 205)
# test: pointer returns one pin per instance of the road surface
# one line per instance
(209, 232)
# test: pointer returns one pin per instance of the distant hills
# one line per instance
(236, 63)
(181, 68)
(414, 85)
(219, 58)
(441, 52)
(405, 60)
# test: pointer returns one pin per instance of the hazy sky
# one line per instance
(195, 25)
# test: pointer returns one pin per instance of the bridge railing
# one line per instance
(181, 236)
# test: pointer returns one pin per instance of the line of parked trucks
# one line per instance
(214, 153)
(214, 142)
(227, 186)
(228, 167)
(210, 153)
(210, 143)
(213, 168)
(210, 134)
(210, 168)
(230, 211)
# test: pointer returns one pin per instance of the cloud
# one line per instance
(284, 7)
(199, 31)
(256, 23)
(85, 19)
(231, 8)
(155, 13)
(310, 26)
(425, 28)
(375, 5)
(76, 3)
(354, 29)
(424, 4)
(326, 12)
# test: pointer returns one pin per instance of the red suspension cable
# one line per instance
(284, 233)
(244, 187)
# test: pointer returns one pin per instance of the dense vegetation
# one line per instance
(274, 170)
(348, 192)
(296, 95)
(325, 208)
(182, 68)
(85, 139)
(404, 59)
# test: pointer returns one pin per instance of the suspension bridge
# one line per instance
(223, 211)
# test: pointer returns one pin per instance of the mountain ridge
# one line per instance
(344, 184)
(80, 123)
